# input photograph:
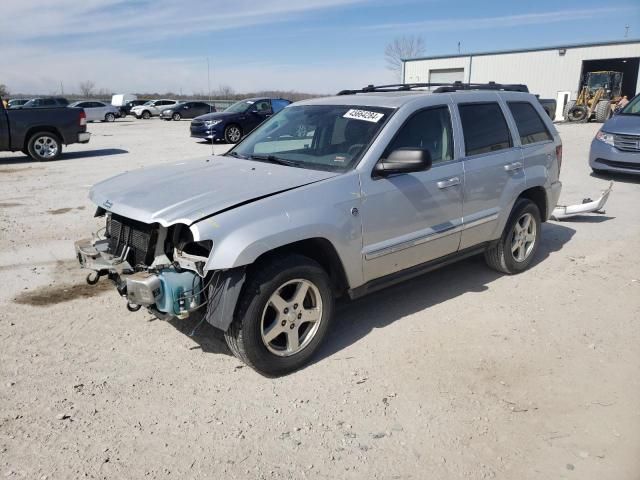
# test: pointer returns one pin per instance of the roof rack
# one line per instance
(438, 87)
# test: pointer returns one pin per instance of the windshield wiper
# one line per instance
(274, 159)
(234, 154)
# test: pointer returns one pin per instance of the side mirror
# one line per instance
(404, 160)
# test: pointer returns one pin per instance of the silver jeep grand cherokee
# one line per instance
(330, 197)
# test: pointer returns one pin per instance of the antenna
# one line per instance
(209, 94)
(626, 31)
(458, 47)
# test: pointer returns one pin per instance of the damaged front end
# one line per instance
(160, 268)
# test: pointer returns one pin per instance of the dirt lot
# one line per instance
(462, 373)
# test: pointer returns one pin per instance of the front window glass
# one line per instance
(240, 107)
(633, 107)
(599, 80)
(150, 102)
(325, 137)
(427, 130)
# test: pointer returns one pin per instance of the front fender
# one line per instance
(319, 210)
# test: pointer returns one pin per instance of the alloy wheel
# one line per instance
(523, 237)
(291, 317)
(46, 147)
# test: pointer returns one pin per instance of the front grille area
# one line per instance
(197, 124)
(627, 143)
(139, 237)
(627, 165)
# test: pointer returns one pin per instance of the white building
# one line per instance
(551, 72)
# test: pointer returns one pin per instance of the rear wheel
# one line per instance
(176, 116)
(146, 114)
(44, 146)
(110, 117)
(232, 133)
(517, 246)
(283, 315)
(603, 111)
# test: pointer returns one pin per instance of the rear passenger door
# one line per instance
(493, 166)
(536, 142)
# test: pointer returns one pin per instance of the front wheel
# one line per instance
(176, 116)
(146, 115)
(232, 134)
(44, 146)
(517, 246)
(283, 315)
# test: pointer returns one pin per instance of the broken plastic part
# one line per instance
(588, 206)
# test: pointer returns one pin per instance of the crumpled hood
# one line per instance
(623, 124)
(185, 192)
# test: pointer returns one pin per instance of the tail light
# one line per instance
(83, 119)
(559, 157)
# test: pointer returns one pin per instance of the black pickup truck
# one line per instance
(41, 132)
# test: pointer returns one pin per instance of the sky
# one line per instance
(317, 46)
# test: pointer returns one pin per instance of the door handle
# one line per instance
(512, 167)
(448, 183)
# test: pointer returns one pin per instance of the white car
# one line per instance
(98, 111)
(152, 108)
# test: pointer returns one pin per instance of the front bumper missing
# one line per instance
(93, 255)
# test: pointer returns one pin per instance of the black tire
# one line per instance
(244, 337)
(232, 133)
(578, 114)
(500, 256)
(44, 146)
(603, 111)
(146, 115)
(565, 113)
(176, 117)
(110, 117)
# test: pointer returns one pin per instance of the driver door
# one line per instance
(413, 218)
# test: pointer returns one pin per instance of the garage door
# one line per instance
(446, 75)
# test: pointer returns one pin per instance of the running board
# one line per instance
(412, 272)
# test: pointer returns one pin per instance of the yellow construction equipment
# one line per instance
(600, 92)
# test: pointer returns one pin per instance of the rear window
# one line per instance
(485, 128)
(531, 128)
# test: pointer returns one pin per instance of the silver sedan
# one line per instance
(98, 111)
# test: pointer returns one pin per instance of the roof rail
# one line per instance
(438, 87)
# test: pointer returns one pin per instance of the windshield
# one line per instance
(599, 80)
(325, 137)
(150, 102)
(240, 107)
(633, 107)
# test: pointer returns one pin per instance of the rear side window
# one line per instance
(530, 126)
(485, 128)
(430, 130)
(278, 104)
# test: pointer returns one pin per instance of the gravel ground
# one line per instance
(462, 373)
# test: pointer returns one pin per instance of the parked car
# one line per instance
(152, 108)
(237, 120)
(17, 102)
(389, 185)
(41, 134)
(616, 146)
(99, 111)
(47, 102)
(126, 108)
(186, 110)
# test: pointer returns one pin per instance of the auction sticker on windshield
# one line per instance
(365, 115)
